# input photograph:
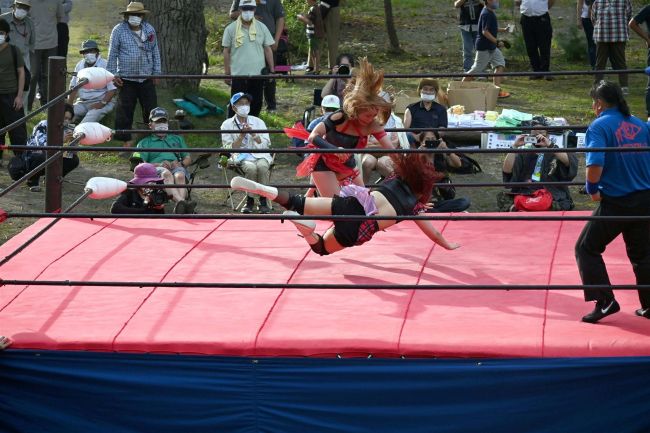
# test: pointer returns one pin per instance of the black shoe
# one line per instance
(263, 207)
(643, 312)
(535, 77)
(180, 207)
(602, 310)
(248, 207)
(549, 78)
(190, 207)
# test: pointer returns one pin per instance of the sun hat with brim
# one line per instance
(145, 173)
(135, 8)
(27, 3)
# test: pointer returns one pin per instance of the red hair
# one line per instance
(418, 172)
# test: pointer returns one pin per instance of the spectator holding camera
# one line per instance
(534, 168)
(171, 165)
(255, 166)
(142, 200)
(443, 195)
(336, 86)
(247, 51)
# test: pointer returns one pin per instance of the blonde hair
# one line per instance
(363, 90)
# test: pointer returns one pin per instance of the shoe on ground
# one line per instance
(504, 94)
(625, 90)
(190, 207)
(602, 310)
(535, 77)
(549, 78)
(643, 312)
(305, 227)
(263, 208)
(35, 188)
(242, 184)
(180, 208)
(248, 207)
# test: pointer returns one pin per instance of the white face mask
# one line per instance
(428, 98)
(3, 38)
(247, 15)
(20, 14)
(243, 110)
(160, 126)
(135, 21)
(90, 58)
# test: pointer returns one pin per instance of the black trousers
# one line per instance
(253, 87)
(40, 73)
(538, 34)
(36, 159)
(130, 94)
(615, 53)
(269, 94)
(596, 235)
(8, 115)
(64, 39)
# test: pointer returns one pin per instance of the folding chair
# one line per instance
(236, 168)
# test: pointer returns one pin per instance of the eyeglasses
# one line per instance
(248, 8)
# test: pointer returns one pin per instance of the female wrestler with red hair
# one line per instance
(406, 193)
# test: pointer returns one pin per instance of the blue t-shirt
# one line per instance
(623, 172)
(487, 21)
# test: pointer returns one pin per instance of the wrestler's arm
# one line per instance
(381, 136)
(433, 234)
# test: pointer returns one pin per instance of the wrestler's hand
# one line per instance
(342, 156)
(452, 246)
(596, 197)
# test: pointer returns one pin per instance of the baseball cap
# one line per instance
(88, 45)
(157, 114)
(145, 173)
(331, 101)
(27, 3)
(237, 96)
(247, 3)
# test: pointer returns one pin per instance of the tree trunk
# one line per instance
(180, 25)
(390, 26)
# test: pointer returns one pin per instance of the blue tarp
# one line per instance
(108, 392)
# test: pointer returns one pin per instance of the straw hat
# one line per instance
(135, 8)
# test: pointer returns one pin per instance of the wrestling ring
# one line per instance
(239, 327)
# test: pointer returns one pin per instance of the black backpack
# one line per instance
(468, 166)
(28, 75)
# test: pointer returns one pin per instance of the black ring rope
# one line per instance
(415, 130)
(281, 217)
(298, 150)
(388, 76)
(142, 284)
(42, 108)
(370, 185)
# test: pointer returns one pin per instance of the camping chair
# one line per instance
(230, 165)
(308, 115)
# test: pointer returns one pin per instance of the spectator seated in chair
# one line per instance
(443, 195)
(171, 165)
(26, 161)
(144, 199)
(336, 86)
(254, 166)
(533, 168)
(91, 105)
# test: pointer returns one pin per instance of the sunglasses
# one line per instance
(248, 8)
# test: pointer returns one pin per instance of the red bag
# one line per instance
(540, 200)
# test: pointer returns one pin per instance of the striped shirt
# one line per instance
(610, 18)
(134, 53)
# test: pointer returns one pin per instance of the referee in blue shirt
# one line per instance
(620, 182)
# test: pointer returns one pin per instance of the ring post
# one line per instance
(54, 171)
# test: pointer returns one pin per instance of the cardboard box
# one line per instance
(493, 140)
(403, 100)
(473, 95)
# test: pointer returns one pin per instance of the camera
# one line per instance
(530, 139)
(344, 70)
(431, 144)
(156, 197)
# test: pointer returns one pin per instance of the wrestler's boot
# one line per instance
(305, 227)
(242, 184)
(289, 201)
